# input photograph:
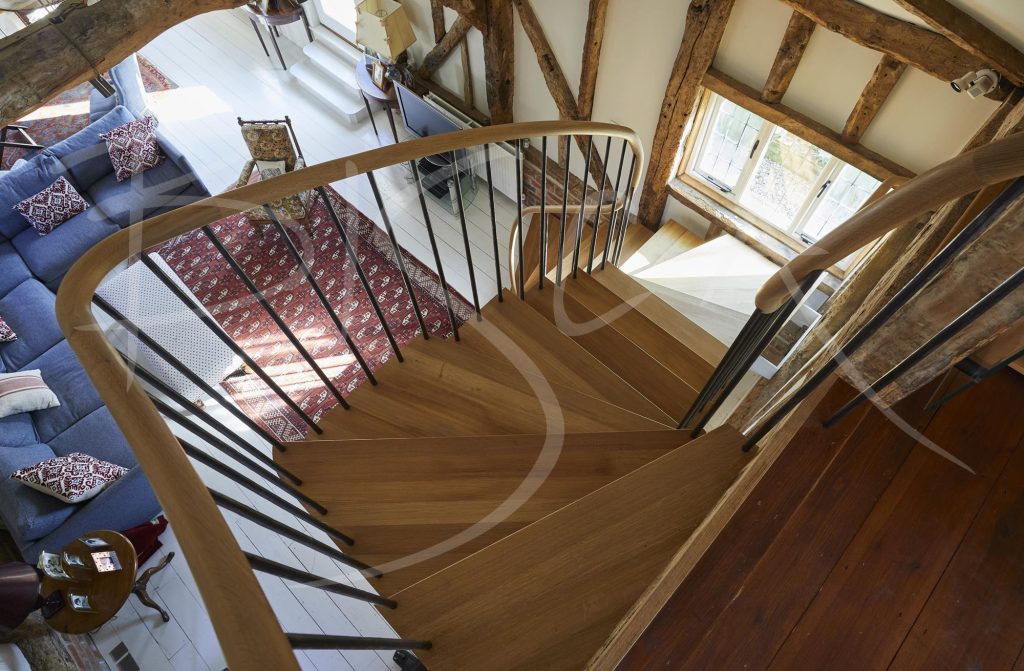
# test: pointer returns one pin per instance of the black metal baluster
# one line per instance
(624, 219)
(268, 522)
(257, 465)
(324, 301)
(363, 279)
(199, 312)
(325, 642)
(256, 488)
(600, 205)
(465, 233)
(159, 350)
(312, 580)
(178, 398)
(522, 224)
(543, 233)
(565, 209)
(265, 304)
(398, 253)
(494, 222)
(989, 301)
(902, 297)
(435, 250)
(615, 200)
(583, 209)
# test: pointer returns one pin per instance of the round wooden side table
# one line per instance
(370, 91)
(107, 591)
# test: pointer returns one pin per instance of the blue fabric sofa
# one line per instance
(31, 270)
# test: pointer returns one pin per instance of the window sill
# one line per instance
(770, 246)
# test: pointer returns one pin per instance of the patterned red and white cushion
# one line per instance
(7, 334)
(72, 479)
(133, 147)
(52, 206)
(24, 391)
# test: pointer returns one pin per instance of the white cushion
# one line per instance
(24, 391)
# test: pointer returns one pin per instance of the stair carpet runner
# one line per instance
(520, 489)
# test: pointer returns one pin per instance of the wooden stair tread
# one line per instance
(624, 357)
(636, 236)
(670, 240)
(669, 349)
(548, 596)
(558, 357)
(403, 496)
(662, 313)
(442, 389)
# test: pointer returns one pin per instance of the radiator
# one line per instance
(503, 155)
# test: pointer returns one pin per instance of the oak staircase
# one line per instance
(514, 491)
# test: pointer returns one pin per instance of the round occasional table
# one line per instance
(107, 591)
(274, 15)
(371, 91)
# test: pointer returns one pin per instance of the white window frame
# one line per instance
(825, 180)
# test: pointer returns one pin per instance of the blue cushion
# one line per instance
(24, 181)
(127, 80)
(85, 154)
(50, 256)
(65, 376)
(13, 270)
(27, 513)
(17, 431)
(98, 435)
(140, 196)
(30, 311)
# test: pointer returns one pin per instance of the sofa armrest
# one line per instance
(127, 503)
(174, 155)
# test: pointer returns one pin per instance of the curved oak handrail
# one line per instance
(967, 173)
(246, 626)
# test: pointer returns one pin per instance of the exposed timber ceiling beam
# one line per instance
(475, 11)
(930, 52)
(705, 24)
(881, 84)
(970, 34)
(592, 42)
(499, 59)
(433, 60)
(794, 42)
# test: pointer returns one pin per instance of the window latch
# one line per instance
(715, 183)
(823, 187)
(757, 143)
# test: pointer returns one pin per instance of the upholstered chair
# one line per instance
(274, 150)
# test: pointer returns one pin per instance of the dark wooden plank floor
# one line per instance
(865, 550)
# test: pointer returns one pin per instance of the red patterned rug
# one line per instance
(266, 259)
(68, 113)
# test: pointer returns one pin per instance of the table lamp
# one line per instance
(383, 27)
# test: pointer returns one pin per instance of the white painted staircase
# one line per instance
(328, 74)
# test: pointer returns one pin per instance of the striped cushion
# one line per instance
(24, 391)
(7, 334)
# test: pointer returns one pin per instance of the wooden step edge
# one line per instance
(684, 437)
(548, 595)
(659, 311)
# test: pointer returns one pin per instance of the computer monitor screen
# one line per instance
(420, 118)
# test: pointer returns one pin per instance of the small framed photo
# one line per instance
(80, 603)
(379, 75)
(106, 562)
(94, 543)
(73, 560)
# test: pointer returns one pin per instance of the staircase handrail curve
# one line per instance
(962, 175)
(554, 209)
(245, 624)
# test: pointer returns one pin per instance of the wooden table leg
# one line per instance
(141, 588)
(256, 27)
(273, 38)
(369, 111)
(391, 120)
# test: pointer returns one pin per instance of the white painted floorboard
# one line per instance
(222, 73)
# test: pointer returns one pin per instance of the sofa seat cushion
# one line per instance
(85, 153)
(97, 435)
(50, 256)
(17, 431)
(65, 376)
(28, 514)
(130, 201)
(24, 181)
(13, 270)
(29, 310)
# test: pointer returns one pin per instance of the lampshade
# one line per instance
(382, 25)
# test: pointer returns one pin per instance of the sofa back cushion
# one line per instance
(30, 310)
(28, 514)
(85, 153)
(25, 181)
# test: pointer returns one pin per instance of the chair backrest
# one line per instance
(269, 141)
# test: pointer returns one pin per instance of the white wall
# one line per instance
(923, 123)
